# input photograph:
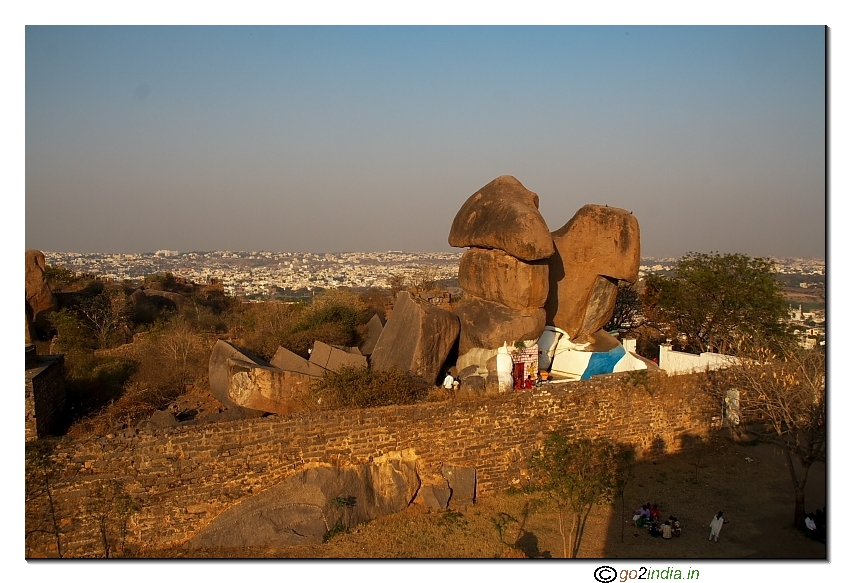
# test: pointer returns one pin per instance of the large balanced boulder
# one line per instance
(498, 277)
(304, 507)
(596, 249)
(418, 337)
(40, 300)
(488, 325)
(503, 215)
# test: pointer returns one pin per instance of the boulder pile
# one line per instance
(504, 273)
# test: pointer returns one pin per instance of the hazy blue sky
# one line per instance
(371, 138)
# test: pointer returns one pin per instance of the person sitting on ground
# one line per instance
(654, 529)
(675, 526)
(643, 516)
(655, 514)
(529, 383)
(666, 530)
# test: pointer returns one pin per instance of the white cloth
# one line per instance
(810, 524)
(716, 525)
(449, 382)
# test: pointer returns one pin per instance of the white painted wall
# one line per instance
(683, 363)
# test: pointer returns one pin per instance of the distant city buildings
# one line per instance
(266, 273)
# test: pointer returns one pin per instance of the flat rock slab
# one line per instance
(503, 215)
(333, 358)
(488, 325)
(462, 481)
(287, 360)
(373, 332)
(436, 497)
(495, 276)
(596, 249)
(302, 508)
(417, 338)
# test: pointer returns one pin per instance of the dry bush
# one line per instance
(170, 360)
(362, 387)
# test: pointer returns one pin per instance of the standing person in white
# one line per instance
(449, 382)
(716, 524)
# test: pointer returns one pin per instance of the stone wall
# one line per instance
(44, 396)
(184, 477)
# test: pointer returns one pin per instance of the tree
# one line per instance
(106, 314)
(578, 474)
(715, 302)
(627, 309)
(783, 389)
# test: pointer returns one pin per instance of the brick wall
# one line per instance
(184, 477)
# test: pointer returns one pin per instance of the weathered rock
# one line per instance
(489, 325)
(162, 419)
(40, 300)
(417, 338)
(266, 388)
(434, 496)
(461, 480)
(220, 370)
(165, 299)
(495, 276)
(473, 385)
(503, 215)
(598, 247)
(477, 357)
(302, 508)
(332, 358)
(373, 332)
(287, 360)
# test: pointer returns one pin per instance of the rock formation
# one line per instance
(333, 357)
(503, 215)
(303, 508)
(598, 247)
(222, 358)
(418, 337)
(505, 273)
(373, 332)
(40, 300)
(489, 325)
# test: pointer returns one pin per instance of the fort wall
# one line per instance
(184, 477)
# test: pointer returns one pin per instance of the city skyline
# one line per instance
(332, 139)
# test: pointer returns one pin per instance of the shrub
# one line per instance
(363, 387)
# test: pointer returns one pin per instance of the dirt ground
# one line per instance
(750, 484)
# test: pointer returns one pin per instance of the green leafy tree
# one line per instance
(577, 474)
(715, 302)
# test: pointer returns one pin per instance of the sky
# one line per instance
(370, 138)
(326, 139)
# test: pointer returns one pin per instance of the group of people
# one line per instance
(649, 516)
(530, 381)
(816, 524)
